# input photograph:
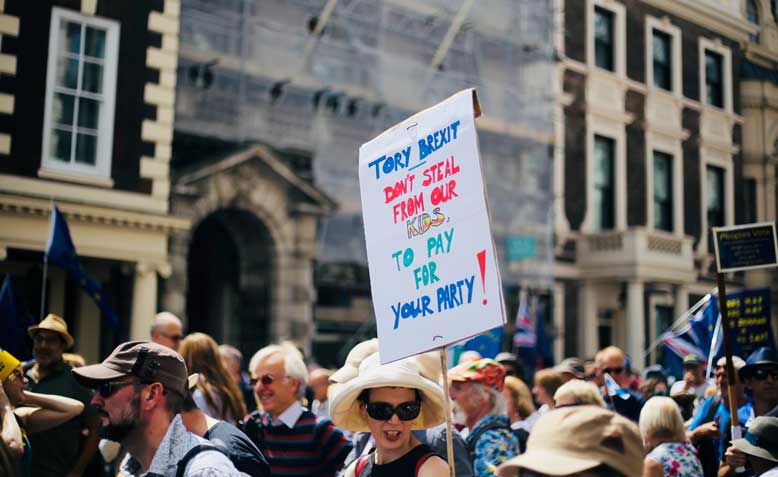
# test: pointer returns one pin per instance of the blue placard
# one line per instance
(520, 247)
(745, 247)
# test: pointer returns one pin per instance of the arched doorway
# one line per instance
(230, 266)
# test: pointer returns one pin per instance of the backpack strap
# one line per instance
(361, 463)
(191, 454)
(421, 462)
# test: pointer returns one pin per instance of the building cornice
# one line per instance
(708, 16)
(97, 215)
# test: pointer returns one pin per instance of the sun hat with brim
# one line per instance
(53, 323)
(358, 353)
(8, 363)
(345, 407)
(764, 356)
(574, 439)
(761, 440)
(145, 360)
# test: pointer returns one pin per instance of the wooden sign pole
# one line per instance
(447, 411)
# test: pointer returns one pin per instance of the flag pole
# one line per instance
(447, 412)
(46, 264)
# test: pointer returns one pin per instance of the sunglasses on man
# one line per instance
(267, 379)
(383, 411)
(616, 370)
(761, 374)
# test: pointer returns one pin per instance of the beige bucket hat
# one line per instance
(600, 437)
(405, 373)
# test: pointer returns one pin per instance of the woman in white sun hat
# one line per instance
(389, 401)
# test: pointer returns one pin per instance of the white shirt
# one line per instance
(321, 408)
(680, 385)
(290, 416)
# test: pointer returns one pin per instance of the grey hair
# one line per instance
(497, 404)
(231, 352)
(164, 318)
(294, 366)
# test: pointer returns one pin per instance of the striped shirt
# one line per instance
(313, 447)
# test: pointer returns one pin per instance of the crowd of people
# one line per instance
(181, 405)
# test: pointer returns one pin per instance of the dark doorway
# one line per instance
(230, 276)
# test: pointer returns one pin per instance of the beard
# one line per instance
(458, 415)
(119, 430)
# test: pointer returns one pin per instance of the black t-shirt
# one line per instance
(241, 451)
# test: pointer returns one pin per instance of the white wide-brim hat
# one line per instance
(345, 408)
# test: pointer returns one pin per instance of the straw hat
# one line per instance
(345, 408)
(53, 323)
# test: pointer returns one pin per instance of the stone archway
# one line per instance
(266, 218)
(230, 278)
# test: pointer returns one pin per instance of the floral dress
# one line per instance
(679, 459)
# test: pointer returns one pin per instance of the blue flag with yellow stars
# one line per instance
(61, 252)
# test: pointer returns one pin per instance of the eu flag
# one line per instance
(61, 252)
(12, 337)
(488, 344)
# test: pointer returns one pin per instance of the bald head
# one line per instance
(167, 330)
(319, 380)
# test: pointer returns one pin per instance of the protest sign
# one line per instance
(746, 247)
(433, 270)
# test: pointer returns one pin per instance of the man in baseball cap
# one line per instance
(140, 390)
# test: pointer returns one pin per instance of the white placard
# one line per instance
(433, 270)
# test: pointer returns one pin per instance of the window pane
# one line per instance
(88, 113)
(86, 149)
(663, 191)
(70, 37)
(63, 109)
(603, 200)
(95, 43)
(67, 73)
(662, 55)
(603, 38)
(60, 145)
(749, 201)
(714, 75)
(93, 77)
(715, 194)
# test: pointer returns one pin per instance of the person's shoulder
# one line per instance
(211, 463)
(434, 467)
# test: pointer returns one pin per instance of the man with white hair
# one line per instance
(167, 330)
(476, 389)
(294, 441)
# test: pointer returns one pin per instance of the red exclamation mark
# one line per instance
(482, 265)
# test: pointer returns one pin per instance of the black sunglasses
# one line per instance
(761, 374)
(617, 370)
(383, 411)
(266, 379)
(108, 389)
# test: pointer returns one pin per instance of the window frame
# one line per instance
(104, 148)
(706, 45)
(674, 32)
(754, 37)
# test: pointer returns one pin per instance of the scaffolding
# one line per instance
(325, 76)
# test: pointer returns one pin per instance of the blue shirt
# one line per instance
(722, 418)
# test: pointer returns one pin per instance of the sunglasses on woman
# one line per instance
(383, 411)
